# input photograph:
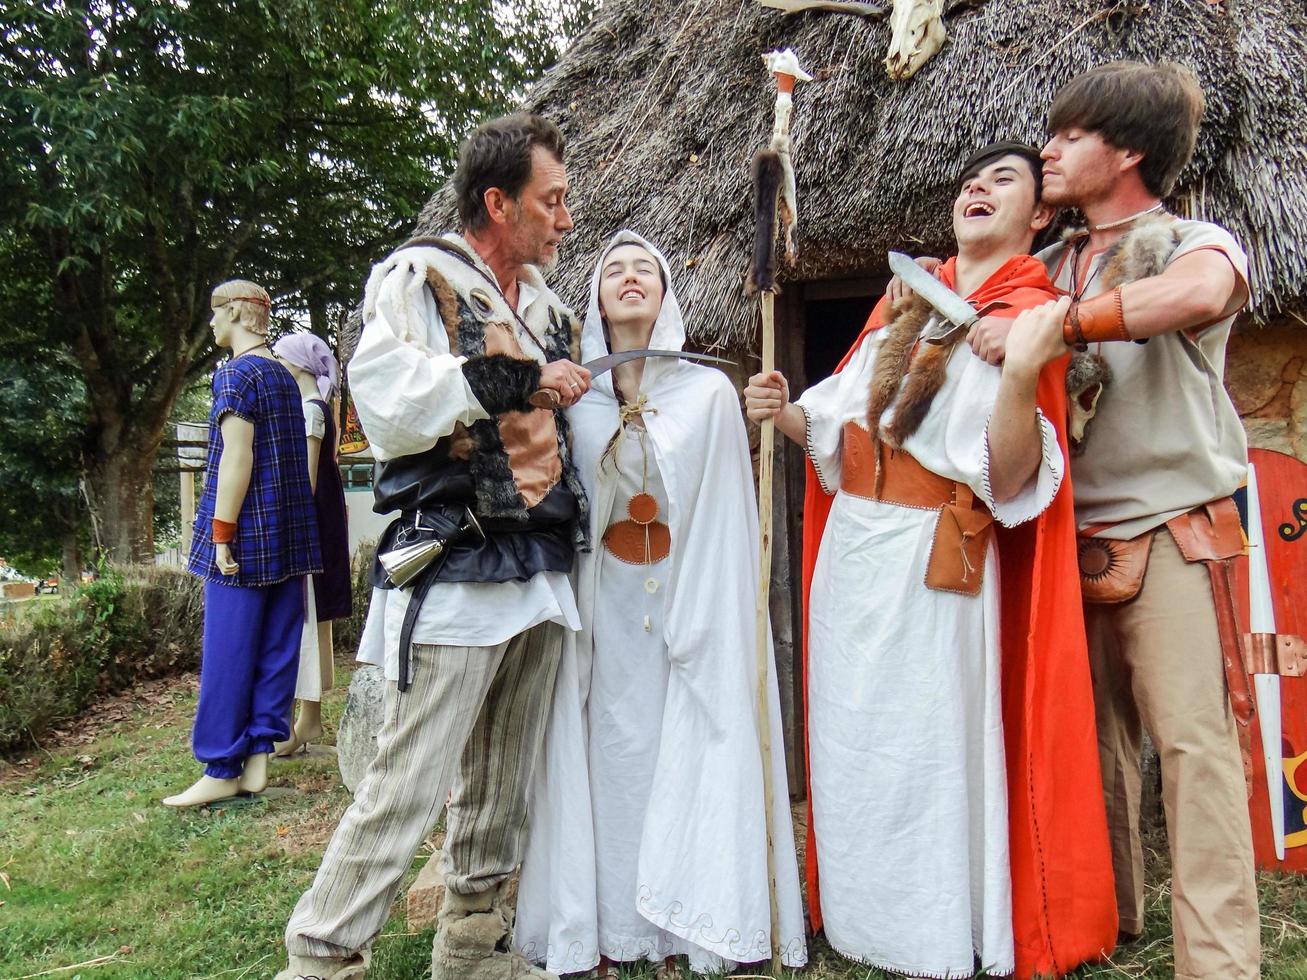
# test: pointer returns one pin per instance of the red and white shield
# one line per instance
(1281, 596)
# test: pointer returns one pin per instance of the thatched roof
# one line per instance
(664, 102)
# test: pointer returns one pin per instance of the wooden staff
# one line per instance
(774, 195)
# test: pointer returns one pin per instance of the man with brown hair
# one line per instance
(459, 333)
(1154, 297)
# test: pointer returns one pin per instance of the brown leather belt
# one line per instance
(892, 476)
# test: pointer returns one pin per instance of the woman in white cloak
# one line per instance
(648, 834)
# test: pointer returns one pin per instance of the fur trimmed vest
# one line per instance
(472, 466)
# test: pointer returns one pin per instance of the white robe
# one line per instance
(905, 722)
(308, 679)
(695, 810)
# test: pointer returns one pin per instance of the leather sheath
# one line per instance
(964, 525)
(1213, 535)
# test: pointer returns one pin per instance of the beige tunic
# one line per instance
(1166, 436)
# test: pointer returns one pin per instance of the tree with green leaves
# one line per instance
(151, 149)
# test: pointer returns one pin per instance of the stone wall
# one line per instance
(1266, 375)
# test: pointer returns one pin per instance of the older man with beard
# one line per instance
(459, 332)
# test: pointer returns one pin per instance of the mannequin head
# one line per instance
(240, 314)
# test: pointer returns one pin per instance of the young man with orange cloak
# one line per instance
(955, 803)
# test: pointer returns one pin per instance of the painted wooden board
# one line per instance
(1282, 487)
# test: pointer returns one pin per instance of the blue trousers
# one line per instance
(247, 675)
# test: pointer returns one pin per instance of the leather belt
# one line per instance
(964, 525)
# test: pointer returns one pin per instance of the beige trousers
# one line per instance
(1156, 661)
(472, 722)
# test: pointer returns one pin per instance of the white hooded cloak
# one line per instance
(702, 861)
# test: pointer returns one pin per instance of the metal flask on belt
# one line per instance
(404, 562)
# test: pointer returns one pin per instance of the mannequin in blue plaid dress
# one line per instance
(255, 539)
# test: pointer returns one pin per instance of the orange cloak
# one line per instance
(1063, 897)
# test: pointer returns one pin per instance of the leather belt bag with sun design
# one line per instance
(892, 476)
(1113, 571)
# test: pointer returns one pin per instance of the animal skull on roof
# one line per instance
(916, 28)
(916, 34)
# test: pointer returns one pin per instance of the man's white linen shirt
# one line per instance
(409, 391)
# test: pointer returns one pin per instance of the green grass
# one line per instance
(96, 866)
(15, 609)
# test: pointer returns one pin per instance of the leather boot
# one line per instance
(472, 937)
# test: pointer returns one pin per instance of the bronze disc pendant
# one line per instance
(642, 508)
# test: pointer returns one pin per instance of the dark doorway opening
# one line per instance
(834, 313)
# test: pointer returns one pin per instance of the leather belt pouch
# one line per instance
(957, 552)
(1211, 532)
(1112, 571)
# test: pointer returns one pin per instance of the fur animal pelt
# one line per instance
(925, 373)
(1087, 377)
(1141, 252)
(1086, 370)
(768, 174)
(502, 383)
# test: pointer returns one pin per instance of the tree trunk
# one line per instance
(72, 560)
(121, 490)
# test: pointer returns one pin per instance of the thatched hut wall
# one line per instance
(664, 101)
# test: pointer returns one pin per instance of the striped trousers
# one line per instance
(472, 722)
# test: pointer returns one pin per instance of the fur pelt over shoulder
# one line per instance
(925, 373)
(1141, 252)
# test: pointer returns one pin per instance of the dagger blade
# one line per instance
(602, 365)
(547, 398)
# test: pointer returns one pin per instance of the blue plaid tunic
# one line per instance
(277, 531)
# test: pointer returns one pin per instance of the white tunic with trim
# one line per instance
(905, 721)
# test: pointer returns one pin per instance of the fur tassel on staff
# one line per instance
(768, 174)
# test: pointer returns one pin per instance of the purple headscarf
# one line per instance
(311, 353)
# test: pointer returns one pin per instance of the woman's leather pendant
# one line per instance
(643, 539)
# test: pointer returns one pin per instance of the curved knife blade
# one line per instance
(602, 365)
(953, 315)
(548, 398)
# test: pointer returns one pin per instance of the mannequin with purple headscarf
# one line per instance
(311, 362)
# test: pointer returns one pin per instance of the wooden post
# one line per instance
(766, 465)
(188, 510)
